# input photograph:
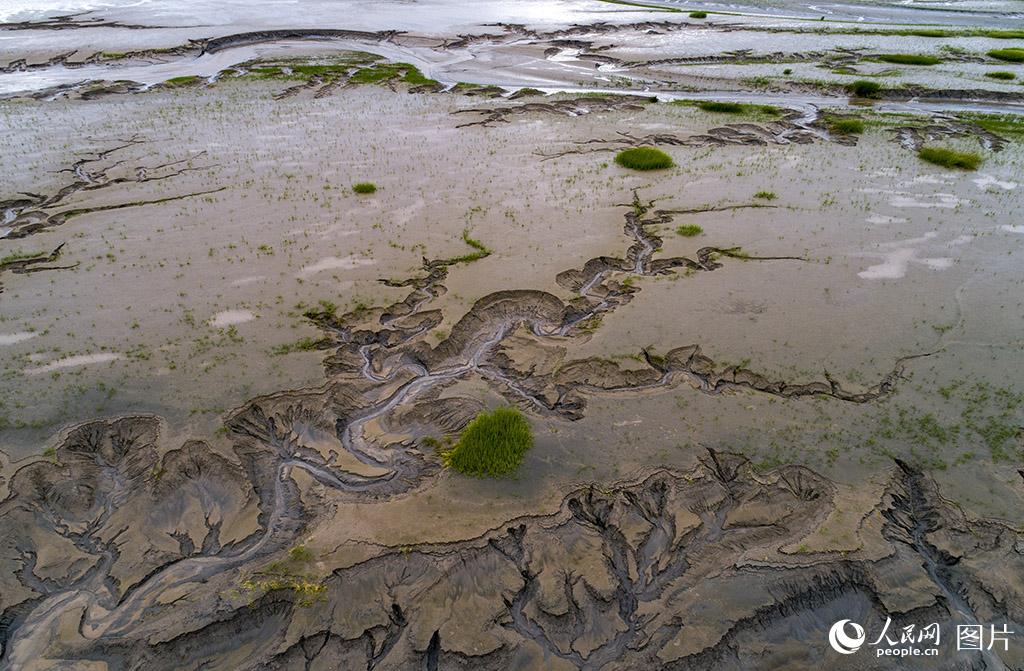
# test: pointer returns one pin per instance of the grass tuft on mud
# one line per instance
(846, 126)
(909, 59)
(1011, 55)
(644, 158)
(689, 230)
(863, 88)
(492, 445)
(1001, 74)
(950, 158)
(364, 187)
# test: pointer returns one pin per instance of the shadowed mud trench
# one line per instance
(772, 386)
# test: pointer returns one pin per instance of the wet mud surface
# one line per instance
(801, 410)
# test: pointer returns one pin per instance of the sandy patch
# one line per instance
(73, 362)
(13, 338)
(883, 220)
(985, 181)
(241, 282)
(231, 317)
(335, 263)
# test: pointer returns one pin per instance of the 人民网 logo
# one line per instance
(841, 641)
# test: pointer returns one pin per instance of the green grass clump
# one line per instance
(689, 230)
(1003, 34)
(493, 444)
(723, 107)
(698, 15)
(1001, 74)
(754, 111)
(182, 81)
(364, 187)
(950, 158)
(644, 158)
(765, 195)
(863, 88)
(1012, 55)
(846, 126)
(909, 59)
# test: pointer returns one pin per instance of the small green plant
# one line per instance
(846, 126)
(493, 444)
(909, 59)
(863, 88)
(300, 553)
(950, 158)
(364, 187)
(1012, 55)
(787, 71)
(1001, 74)
(644, 158)
(689, 230)
(765, 195)
(698, 15)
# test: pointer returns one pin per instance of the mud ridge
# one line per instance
(660, 543)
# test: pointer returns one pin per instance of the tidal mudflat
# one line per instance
(262, 277)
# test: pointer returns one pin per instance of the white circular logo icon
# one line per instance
(841, 642)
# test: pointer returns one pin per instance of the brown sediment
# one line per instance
(674, 570)
(388, 374)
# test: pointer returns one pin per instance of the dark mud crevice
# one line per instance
(915, 137)
(917, 512)
(656, 541)
(794, 127)
(73, 22)
(34, 264)
(216, 44)
(569, 107)
(97, 171)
